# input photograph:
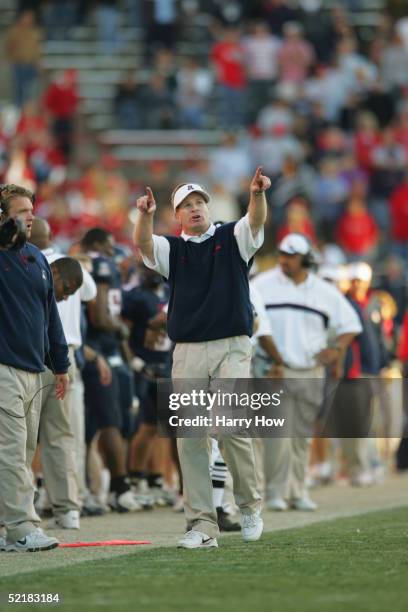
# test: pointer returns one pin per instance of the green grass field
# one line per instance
(356, 564)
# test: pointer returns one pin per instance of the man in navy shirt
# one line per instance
(210, 319)
(31, 336)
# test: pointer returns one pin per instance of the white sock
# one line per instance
(218, 495)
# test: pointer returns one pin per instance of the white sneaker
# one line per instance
(143, 494)
(197, 539)
(304, 504)
(158, 496)
(70, 520)
(276, 504)
(252, 526)
(364, 479)
(126, 502)
(2, 543)
(35, 541)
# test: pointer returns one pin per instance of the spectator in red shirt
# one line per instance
(61, 100)
(399, 219)
(366, 138)
(228, 56)
(357, 232)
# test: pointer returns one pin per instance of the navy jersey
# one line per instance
(104, 271)
(140, 305)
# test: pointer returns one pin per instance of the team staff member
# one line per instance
(62, 424)
(31, 335)
(210, 320)
(301, 308)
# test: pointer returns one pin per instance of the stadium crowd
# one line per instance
(294, 89)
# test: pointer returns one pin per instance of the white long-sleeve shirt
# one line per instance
(300, 315)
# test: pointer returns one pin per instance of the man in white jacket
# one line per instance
(301, 308)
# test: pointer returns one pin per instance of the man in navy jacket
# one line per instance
(31, 336)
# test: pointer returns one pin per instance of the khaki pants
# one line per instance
(57, 445)
(286, 459)
(20, 396)
(227, 358)
(77, 422)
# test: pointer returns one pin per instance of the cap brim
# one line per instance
(289, 252)
(205, 195)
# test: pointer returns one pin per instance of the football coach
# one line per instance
(31, 335)
(210, 320)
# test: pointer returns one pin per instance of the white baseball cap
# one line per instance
(360, 271)
(330, 273)
(185, 190)
(294, 244)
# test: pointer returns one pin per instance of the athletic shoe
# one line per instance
(159, 497)
(364, 479)
(35, 541)
(276, 504)
(197, 539)
(252, 526)
(2, 543)
(69, 520)
(225, 523)
(145, 501)
(169, 495)
(304, 504)
(125, 502)
(91, 507)
(142, 494)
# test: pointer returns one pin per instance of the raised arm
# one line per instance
(143, 230)
(257, 208)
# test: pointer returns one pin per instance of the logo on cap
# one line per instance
(190, 188)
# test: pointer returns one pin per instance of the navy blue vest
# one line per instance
(209, 291)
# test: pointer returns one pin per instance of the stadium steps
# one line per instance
(7, 13)
(99, 75)
(168, 145)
